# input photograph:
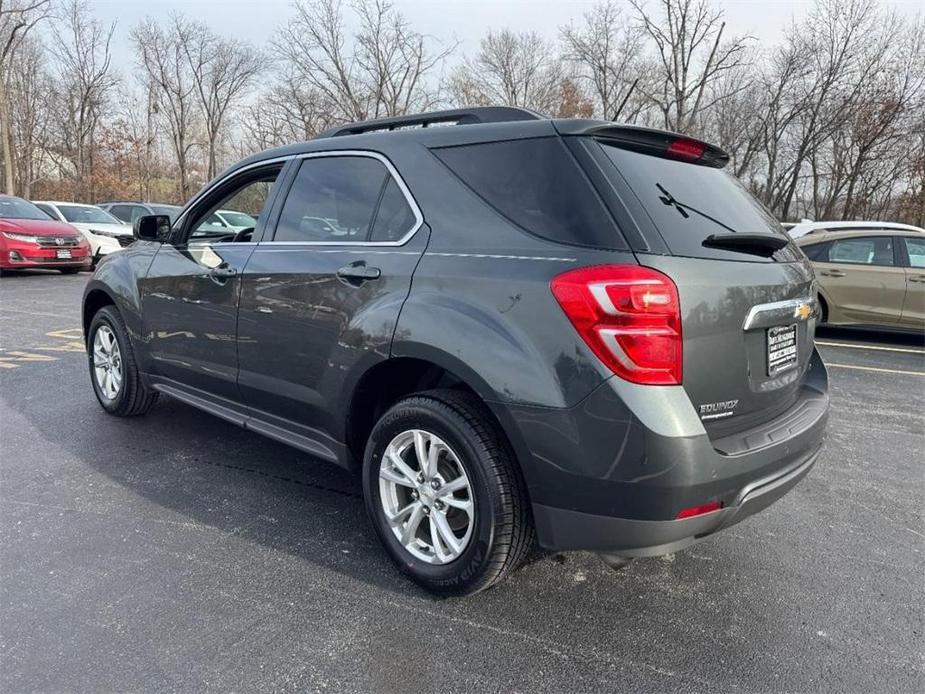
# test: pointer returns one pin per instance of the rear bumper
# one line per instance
(562, 529)
(612, 474)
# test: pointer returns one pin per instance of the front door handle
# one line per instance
(832, 273)
(917, 278)
(359, 272)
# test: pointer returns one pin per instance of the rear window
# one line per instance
(536, 184)
(689, 202)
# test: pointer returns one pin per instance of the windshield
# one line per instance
(17, 208)
(80, 214)
(170, 210)
(688, 202)
(238, 219)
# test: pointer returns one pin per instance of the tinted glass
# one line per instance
(395, 217)
(332, 199)
(17, 208)
(46, 209)
(128, 213)
(863, 251)
(916, 249)
(537, 185)
(689, 202)
(86, 215)
(818, 251)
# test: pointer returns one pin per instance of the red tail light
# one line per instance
(700, 510)
(629, 316)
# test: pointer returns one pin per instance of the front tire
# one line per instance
(113, 370)
(444, 495)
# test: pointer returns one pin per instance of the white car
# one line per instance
(227, 222)
(808, 226)
(105, 233)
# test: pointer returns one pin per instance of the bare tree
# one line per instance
(688, 38)
(30, 89)
(223, 70)
(17, 19)
(167, 73)
(287, 112)
(382, 70)
(84, 83)
(510, 69)
(606, 52)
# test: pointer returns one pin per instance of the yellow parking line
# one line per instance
(850, 345)
(874, 368)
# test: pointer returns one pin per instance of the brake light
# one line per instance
(700, 510)
(629, 316)
(686, 149)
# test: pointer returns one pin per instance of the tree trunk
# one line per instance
(6, 139)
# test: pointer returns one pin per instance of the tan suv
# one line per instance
(869, 276)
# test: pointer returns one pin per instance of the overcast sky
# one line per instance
(446, 20)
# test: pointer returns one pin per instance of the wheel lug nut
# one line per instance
(438, 505)
(414, 495)
(426, 510)
(435, 483)
(421, 477)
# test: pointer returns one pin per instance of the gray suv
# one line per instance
(522, 332)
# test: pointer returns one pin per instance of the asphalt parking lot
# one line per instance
(178, 552)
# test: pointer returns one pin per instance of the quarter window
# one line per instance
(336, 200)
(873, 250)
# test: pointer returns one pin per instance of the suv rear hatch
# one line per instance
(745, 291)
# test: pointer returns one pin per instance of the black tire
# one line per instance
(69, 270)
(823, 310)
(502, 534)
(133, 398)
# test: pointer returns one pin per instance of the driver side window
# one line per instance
(244, 199)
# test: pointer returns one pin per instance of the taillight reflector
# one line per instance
(700, 510)
(630, 317)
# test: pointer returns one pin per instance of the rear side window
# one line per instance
(333, 199)
(689, 202)
(817, 251)
(536, 184)
(394, 218)
(871, 250)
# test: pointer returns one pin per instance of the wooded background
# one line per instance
(829, 123)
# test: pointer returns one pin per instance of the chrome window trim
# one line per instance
(402, 186)
(418, 216)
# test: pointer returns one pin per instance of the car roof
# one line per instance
(59, 202)
(804, 228)
(819, 237)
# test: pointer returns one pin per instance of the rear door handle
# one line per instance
(222, 272)
(917, 278)
(359, 272)
(832, 273)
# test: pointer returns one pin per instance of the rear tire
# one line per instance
(122, 393)
(494, 539)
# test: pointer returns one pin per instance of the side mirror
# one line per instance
(152, 227)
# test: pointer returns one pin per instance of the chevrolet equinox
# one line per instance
(523, 332)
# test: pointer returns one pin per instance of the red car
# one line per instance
(29, 238)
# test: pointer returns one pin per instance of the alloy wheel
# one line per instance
(107, 362)
(426, 496)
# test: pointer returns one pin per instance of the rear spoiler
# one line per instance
(660, 143)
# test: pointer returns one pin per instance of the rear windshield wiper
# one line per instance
(757, 244)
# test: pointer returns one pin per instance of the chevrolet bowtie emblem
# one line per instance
(803, 311)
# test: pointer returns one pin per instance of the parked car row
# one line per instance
(47, 233)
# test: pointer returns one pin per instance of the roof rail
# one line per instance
(463, 116)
